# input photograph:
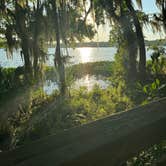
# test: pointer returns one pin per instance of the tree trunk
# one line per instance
(36, 59)
(129, 37)
(164, 13)
(141, 42)
(132, 49)
(36, 50)
(28, 67)
(25, 44)
(58, 61)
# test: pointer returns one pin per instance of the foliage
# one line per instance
(32, 121)
(150, 156)
(82, 107)
(39, 115)
(10, 78)
(151, 90)
(104, 68)
(120, 69)
(32, 100)
(157, 67)
(2, 43)
(154, 90)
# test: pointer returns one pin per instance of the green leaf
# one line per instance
(145, 89)
(157, 82)
(153, 86)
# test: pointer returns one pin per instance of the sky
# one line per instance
(149, 6)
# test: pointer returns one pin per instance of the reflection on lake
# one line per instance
(90, 80)
(87, 81)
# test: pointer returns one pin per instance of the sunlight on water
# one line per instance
(85, 54)
(87, 81)
(79, 55)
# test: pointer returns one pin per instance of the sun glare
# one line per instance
(85, 54)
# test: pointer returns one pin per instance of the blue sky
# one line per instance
(149, 6)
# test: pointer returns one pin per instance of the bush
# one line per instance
(10, 78)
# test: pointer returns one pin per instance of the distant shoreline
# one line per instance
(107, 44)
(161, 42)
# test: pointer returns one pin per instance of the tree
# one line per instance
(140, 38)
(21, 22)
(69, 27)
(123, 13)
(162, 6)
(118, 14)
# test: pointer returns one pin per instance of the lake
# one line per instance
(78, 55)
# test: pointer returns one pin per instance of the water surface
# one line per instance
(87, 81)
(78, 55)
